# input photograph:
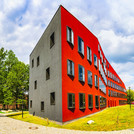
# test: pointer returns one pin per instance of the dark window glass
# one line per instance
(42, 106)
(109, 93)
(30, 103)
(80, 46)
(52, 40)
(96, 80)
(38, 61)
(70, 67)
(89, 78)
(81, 73)
(82, 101)
(95, 60)
(90, 101)
(32, 63)
(102, 102)
(48, 73)
(89, 54)
(35, 84)
(71, 100)
(96, 101)
(52, 98)
(70, 36)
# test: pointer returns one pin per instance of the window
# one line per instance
(108, 73)
(52, 98)
(38, 61)
(108, 65)
(98, 47)
(30, 103)
(81, 73)
(96, 80)
(48, 73)
(70, 67)
(89, 54)
(102, 87)
(35, 84)
(111, 84)
(71, 100)
(89, 77)
(80, 46)
(42, 105)
(90, 101)
(32, 63)
(97, 101)
(52, 40)
(95, 60)
(102, 102)
(82, 101)
(109, 93)
(70, 36)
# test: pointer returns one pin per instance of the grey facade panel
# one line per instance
(49, 57)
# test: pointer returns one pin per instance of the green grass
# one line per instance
(115, 118)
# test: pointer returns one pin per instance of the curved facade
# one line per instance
(85, 80)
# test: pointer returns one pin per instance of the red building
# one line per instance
(88, 81)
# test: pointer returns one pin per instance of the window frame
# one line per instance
(52, 40)
(95, 62)
(42, 105)
(83, 73)
(90, 106)
(70, 36)
(97, 106)
(52, 98)
(80, 40)
(83, 101)
(48, 73)
(32, 63)
(91, 77)
(35, 84)
(38, 61)
(89, 54)
(70, 71)
(73, 100)
(96, 80)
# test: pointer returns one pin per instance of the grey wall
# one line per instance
(48, 58)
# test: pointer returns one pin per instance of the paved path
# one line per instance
(12, 126)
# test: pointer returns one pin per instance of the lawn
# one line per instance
(115, 118)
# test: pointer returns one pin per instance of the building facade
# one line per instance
(70, 76)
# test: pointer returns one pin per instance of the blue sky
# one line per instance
(22, 23)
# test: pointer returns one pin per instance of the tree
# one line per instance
(3, 73)
(14, 78)
(17, 83)
(130, 96)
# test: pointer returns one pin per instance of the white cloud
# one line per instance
(125, 71)
(117, 46)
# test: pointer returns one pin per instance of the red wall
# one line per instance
(70, 85)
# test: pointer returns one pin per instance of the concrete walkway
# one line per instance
(12, 126)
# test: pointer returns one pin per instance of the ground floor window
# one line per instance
(82, 101)
(71, 100)
(52, 98)
(96, 101)
(42, 105)
(90, 101)
(102, 102)
(121, 102)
